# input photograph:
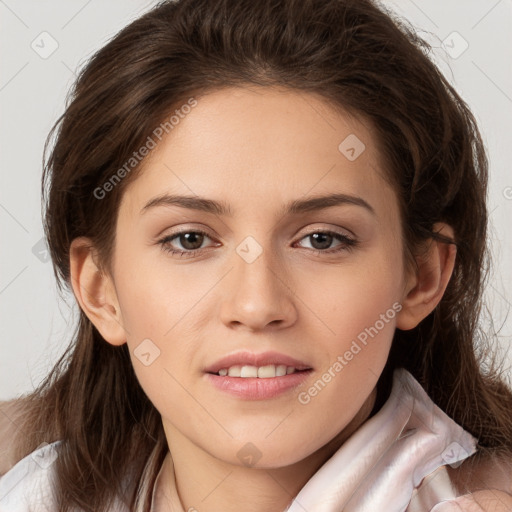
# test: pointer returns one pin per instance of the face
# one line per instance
(265, 270)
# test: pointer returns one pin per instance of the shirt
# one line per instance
(395, 461)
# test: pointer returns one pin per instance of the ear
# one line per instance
(425, 288)
(95, 292)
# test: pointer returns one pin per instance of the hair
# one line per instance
(357, 56)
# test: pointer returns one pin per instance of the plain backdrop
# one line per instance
(43, 44)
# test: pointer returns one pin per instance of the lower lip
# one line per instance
(253, 388)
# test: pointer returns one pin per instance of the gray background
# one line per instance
(35, 325)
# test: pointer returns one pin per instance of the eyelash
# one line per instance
(347, 243)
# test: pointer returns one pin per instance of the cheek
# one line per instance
(157, 309)
(154, 298)
(361, 322)
(353, 296)
(357, 304)
(361, 328)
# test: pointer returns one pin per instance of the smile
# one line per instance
(261, 372)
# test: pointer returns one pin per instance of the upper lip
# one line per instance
(246, 358)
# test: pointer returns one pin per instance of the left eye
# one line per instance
(323, 239)
(191, 241)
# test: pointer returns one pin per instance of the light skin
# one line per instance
(256, 149)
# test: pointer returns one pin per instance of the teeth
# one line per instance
(281, 370)
(235, 371)
(249, 371)
(262, 372)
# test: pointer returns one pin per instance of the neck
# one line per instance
(207, 484)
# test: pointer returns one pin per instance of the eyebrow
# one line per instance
(295, 206)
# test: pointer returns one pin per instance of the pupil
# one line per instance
(191, 239)
(323, 239)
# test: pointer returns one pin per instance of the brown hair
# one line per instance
(355, 55)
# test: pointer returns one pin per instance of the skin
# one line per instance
(256, 149)
(481, 501)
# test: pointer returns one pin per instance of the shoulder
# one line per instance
(480, 501)
(485, 484)
(10, 413)
(480, 473)
(29, 484)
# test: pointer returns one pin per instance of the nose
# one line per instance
(257, 294)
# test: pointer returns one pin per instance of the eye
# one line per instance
(190, 241)
(321, 241)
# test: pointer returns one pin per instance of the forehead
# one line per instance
(263, 142)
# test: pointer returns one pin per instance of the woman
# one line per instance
(272, 216)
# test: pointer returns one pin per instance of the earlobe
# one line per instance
(426, 288)
(95, 292)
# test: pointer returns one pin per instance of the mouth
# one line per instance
(257, 376)
(259, 372)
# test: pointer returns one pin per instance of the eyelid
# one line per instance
(345, 232)
(183, 228)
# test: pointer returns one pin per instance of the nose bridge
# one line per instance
(259, 290)
(257, 269)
